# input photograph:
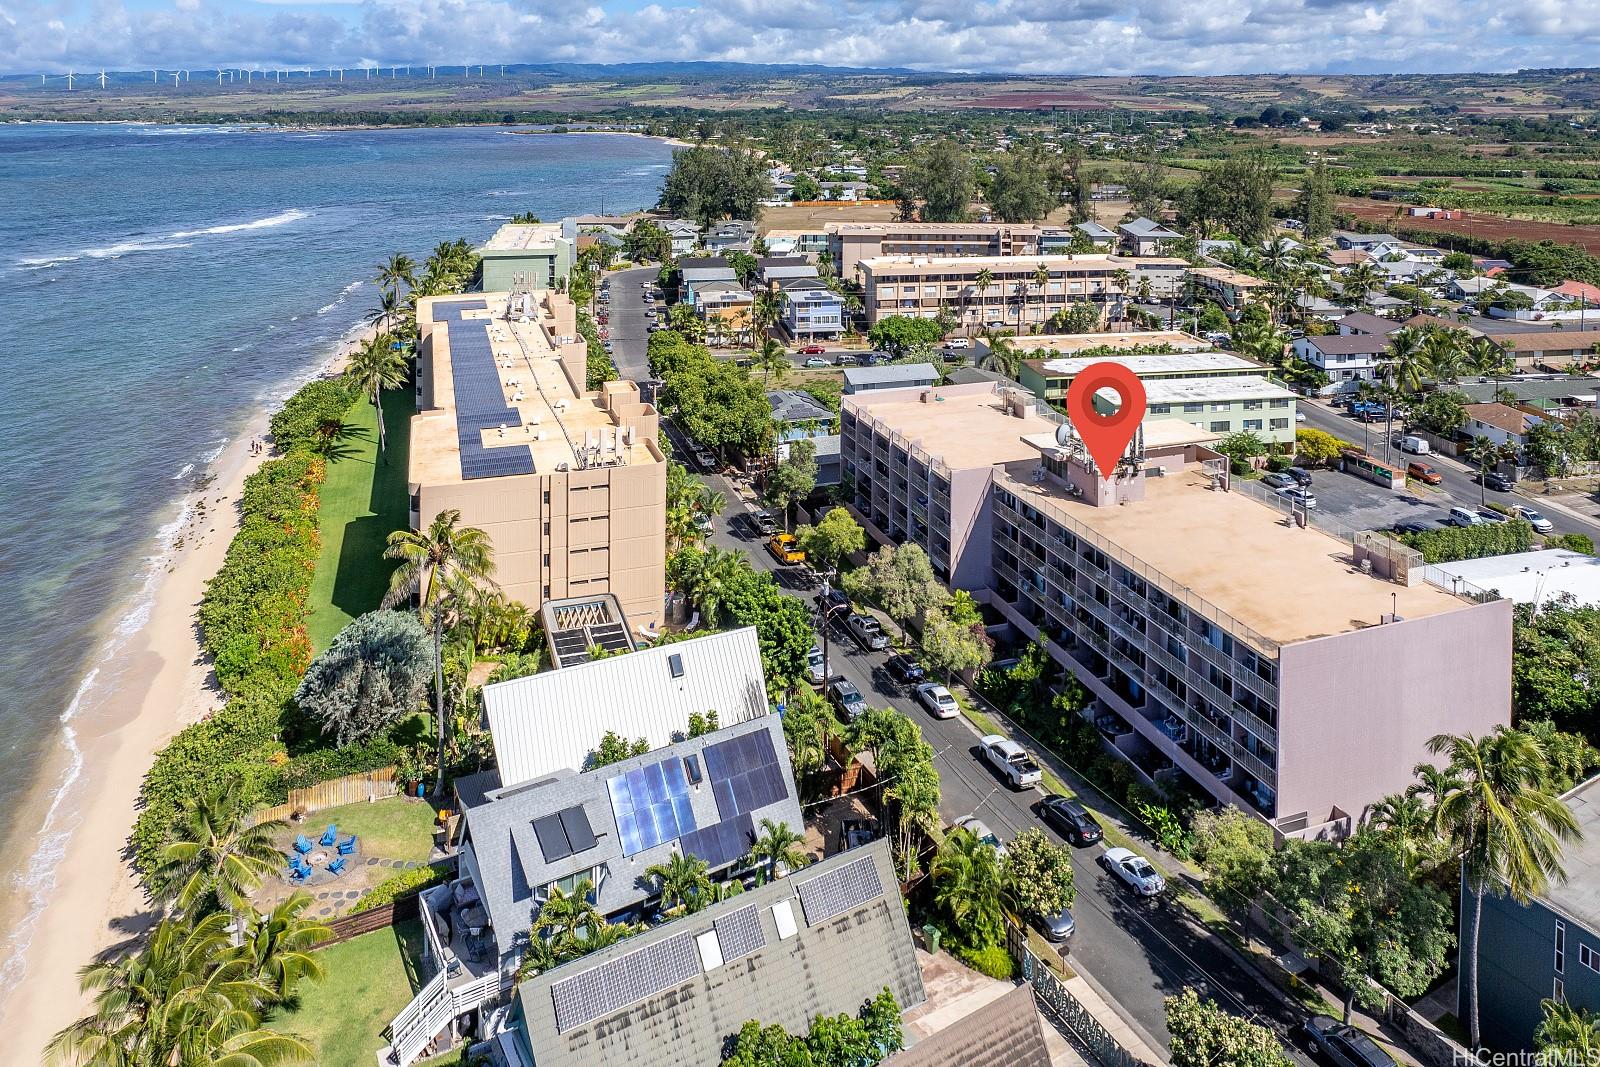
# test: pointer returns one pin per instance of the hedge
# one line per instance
(404, 884)
(303, 417)
(1471, 542)
(992, 960)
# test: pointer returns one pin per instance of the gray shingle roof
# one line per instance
(1094, 229)
(509, 854)
(1143, 227)
(800, 970)
(1005, 1032)
(1361, 322)
(792, 405)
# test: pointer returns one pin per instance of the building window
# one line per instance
(1221, 426)
(1193, 407)
(1589, 957)
(1160, 409)
(1278, 403)
(1220, 406)
(1252, 424)
(1558, 991)
(1252, 405)
(1561, 947)
(1280, 424)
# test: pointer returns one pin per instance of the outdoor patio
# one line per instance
(392, 835)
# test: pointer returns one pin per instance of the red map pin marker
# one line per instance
(1106, 436)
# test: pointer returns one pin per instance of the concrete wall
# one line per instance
(971, 528)
(541, 265)
(1356, 709)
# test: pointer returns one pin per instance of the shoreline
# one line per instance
(150, 678)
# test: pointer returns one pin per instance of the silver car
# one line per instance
(1058, 927)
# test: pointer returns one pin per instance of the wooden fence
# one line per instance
(351, 789)
(364, 922)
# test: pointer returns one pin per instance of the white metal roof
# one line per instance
(1230, 387)
(1526, 577)
(551, 721)
(1168, 363)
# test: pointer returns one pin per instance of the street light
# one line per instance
(825, 612)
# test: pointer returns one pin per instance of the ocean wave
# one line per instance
(180, 239)
(186, 131)
(183, 472)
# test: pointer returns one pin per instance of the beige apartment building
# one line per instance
(569, 484)
(851, 242)
(923, 285)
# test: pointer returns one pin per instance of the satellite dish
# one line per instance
(1065, 437)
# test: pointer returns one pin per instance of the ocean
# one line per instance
(160, 284)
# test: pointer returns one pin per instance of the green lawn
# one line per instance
(369, 979)
(363, 500)
(397, 828)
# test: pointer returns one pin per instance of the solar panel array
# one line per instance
(723, 843)
(652, 805)
(625, 980)
(480, 398)
(563, 834)
(745, 774)
(839, 890)
(740, 933)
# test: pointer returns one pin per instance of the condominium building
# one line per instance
(1021, 290)
(1230, 288)
(1049, 378)
(1244, 403)
(1224, 638)
(569, 484)
(851, 242)
(526, 256)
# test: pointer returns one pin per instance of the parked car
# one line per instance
(1344, 1044)
(846, 359)
(1415, 445)
(814, 666)
(784, 549)
(1490, 517)
(833, 600)
(847, 698)
(1011, 761)
(1460, 516)
(1413, 526)
(981, 831)
(813, 350)
(816, 361)
(904, 669)
(937, 699)
(1133, 870)
(958, 342)
(706, 460)
(1533, 518)
(1304, 497)
(1423, 472)
(1070, 819)
(1277, 480)
(763, 521)
(1495, 480)
(1056, 928)
(868, 634)
(1300, 475)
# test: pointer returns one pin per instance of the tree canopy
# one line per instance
(707, 184)
(374, 673)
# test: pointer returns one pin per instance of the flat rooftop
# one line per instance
(1526, 577)
(930, 227)
(1066, 344)
(1286, 584)
(522, 236)
(964, 426)
(1579, 896)
(1226, 387)
(1227, 276)
(1014, 264)
(1146, 365)
(502, 402)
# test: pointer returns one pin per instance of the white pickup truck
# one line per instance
(1007, 757)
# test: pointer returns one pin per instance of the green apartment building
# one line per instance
(535, 253)
(1048, 379)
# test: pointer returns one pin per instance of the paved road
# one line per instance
(1458, 486)
(627, 325)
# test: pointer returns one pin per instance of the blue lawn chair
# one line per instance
(299, 869)
(337, 866)
(330, 835)
(302, 844)
(347, 846)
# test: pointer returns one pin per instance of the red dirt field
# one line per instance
(1032, 101)
(1476, 224)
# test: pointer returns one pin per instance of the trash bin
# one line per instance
(931, 935)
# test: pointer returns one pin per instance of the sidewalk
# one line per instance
(1109, 1018)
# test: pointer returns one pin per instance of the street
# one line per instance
(1135, 952)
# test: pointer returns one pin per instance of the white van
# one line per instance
(1415, 445)
(1460, 516)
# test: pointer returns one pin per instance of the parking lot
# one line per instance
(1366, 506)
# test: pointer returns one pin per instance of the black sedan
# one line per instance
(904, 669)
(1070, 819)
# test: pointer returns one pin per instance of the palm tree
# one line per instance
(183, 997)
(1402, 368)
(1406, 821)
(280, 946)
(215, 857)
(966, 886)
(1569, 1030)
(683, 882)
(1505, 823)
(1444, 354)
(1359, 280)
(709, 502)
(982, 281)
(1120, 277)
(1433, 784)
(430, 562)
(1002, 356)
(376, 366)
(778, 845)
(388, 309)
(1485, 358)
(399, 270)
(718, 569)
(772, 359)
(1041, 279)
(916, 797)
(1485, 453)
(765, 312)
(563, 914)
(598, 936)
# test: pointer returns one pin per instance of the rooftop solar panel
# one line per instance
(745, 774)
(652, 805)
(841, 889)
(579, 833)
(722, 843)
(740, 933)
(625, 980)
(480, 403)
(552, 838)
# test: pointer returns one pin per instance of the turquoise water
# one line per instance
(159, 284)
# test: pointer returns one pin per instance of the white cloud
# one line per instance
(1026, 36)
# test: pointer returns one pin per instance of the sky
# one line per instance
(1025, 36)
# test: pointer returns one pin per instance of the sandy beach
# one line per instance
(157, 681)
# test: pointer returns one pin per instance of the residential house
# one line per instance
(1220, 641)
(1103, 238)
(1347, 359)
(821, 942)
(1145, 237)
(889, 376)
(1349, 239)
(1502, 423)
(800, 417)
(1362, 323)
(1555, 349)
(795, 242)
(685, 235)
(726, 307)
(1548, 948)
(810, 310)
(1535, 578)
(732, 235)
(771, 269)
(699, 271)
(1580, 292)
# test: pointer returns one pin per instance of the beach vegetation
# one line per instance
(707, 184)
(216, 857)
(305, 419)
(373, 675)
(378, 364)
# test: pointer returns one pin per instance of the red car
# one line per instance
(812, 350)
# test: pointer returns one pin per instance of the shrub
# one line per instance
(1471, 542)
(992, 960)
(305, 416)
(402, 885)
(376, 671)
(1573, 542)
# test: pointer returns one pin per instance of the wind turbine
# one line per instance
(102, 79)
(432, 73)
(69, 80)
(502, 70)
(174, 79)
(155, 76)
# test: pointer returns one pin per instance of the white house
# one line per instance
(1347, 359)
